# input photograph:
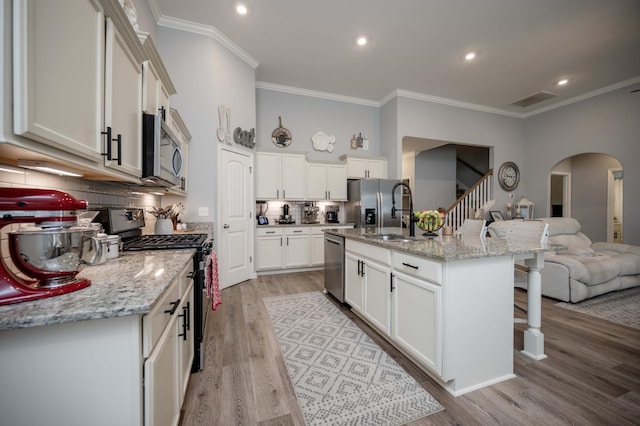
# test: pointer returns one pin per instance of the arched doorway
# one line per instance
(588, 187)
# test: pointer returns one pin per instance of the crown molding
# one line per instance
(450, 102)
(155, 10)
(315, 94)
(597, 92)
(209, 31)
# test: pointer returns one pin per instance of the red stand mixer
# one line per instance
(54, 213)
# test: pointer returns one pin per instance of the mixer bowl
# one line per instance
(53, 255)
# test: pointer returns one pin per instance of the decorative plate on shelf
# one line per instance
(323, 142)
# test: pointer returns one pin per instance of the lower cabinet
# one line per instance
(368, 283)
(417, 319)
(167, 369)
(293, 247)
(127, 370)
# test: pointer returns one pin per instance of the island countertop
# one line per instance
(128, 285)
(443, 248)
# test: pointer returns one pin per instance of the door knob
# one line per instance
(226, 226)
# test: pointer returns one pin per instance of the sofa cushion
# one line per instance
(573, 241)
(591, 269)
(562, 225)
(628, 263)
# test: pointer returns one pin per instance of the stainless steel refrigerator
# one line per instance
(369, 203)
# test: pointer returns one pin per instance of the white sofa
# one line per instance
(584, 269)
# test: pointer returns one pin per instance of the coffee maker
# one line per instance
(332, 214)
(285, 217)
(48, 253)
(310, 213)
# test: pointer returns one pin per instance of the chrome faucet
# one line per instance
(412, 218)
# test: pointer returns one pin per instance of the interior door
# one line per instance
(235, 212)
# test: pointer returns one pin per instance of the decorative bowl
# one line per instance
(429, 221)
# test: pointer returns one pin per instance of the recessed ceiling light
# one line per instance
(362, 40)
(469, 56)
(563, 82)
(241, 9)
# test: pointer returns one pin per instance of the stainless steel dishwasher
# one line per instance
(334, 265)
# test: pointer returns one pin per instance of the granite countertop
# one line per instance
(294, 225)
(442, 248)
(128, 285)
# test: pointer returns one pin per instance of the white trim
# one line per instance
(597, 92)
(209, 31)
(315, 94)
(447, 101)
(155, 10)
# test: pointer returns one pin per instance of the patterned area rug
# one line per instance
(622, 307)
(340, 376)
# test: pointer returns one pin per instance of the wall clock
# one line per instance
(509, 176)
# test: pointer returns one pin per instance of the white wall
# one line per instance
(607, 124)
(304, 116)
(421, 119)
(206, 74)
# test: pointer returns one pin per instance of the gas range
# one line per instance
(164, 242)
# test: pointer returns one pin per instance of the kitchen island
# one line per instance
(112, 353)
(446, 302)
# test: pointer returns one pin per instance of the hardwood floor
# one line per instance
(592, 375)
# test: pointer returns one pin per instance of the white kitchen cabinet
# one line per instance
(369, 286)
(297, 247)
(185, 334)
(326, 182)
(280, 176)
(157, 86)
(123, 103)
(360, 167)
(78, 82)
(58, 74)
(417, 319)
(137, 363)
(269, 253)
(353, 282)
(317, 246)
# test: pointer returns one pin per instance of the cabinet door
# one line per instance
(316, 181)
(150, 86)
(356, 168)
(354, 286)
(123, 103)
(58, 74)
(269, 254)
(317, 250)
(337, 182)
(268, 178)
(297, 251)
(294, 182)
(417, 319)
(160, 377)
(377, 169)
(377, 295)
(185, 334)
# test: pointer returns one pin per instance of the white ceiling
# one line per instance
(418, 46)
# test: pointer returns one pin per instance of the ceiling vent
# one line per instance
(534, 99)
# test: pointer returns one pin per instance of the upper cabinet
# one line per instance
(361, 167)
(280, 176)
(59, 74)
(123, 102)
(78, 83)
(157, 86)
(326, 181)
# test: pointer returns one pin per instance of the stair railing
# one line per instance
(468, 203)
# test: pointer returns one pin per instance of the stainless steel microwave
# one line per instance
(161, 155)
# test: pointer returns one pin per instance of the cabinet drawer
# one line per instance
(154, 323)
(418, 266)
(269, 232)
(380, 254)
(297, 231)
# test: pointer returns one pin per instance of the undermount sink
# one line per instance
(390, 237)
